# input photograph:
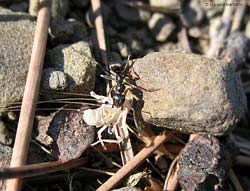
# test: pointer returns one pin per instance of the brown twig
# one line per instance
(171, 148)
(238, 16)
(96, 7)
(26, 119)
(136, 161)
(38, 169)
(217, 41)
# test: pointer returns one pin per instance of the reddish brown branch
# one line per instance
(100, 33)
(26, 119)
(38, 169)
(136, 161)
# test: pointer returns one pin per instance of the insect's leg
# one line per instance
(106, 141)
(103, 99)
(99, 135)
(117, 136)
(138, 127)
(124, 114)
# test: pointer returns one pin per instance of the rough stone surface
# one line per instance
(77, 63)
(16, 37)
(66, 133)
(66, 31)
(54, 80)
(204, 163)
(192, 93)
(5, 137)
(237, 49)
(193, 13)
(161, 26)
(20, 7)
(131, 14)
(167, 6)
(59, 8)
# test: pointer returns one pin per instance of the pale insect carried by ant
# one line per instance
(114, 110)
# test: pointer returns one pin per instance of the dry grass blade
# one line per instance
(26, 119)
(126, 150)
(38, 169)
(136, 161)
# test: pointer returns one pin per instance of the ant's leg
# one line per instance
(123, 117)
(103, 99)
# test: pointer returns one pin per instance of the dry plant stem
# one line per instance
(171, 181)
(183, 38)
(38, 169)
(147, 135)
(126, 150)
(238, 16)
(136, 161)
(26, 119)
(235, 181)
(171, 148)
(217, 42)
(96, 7)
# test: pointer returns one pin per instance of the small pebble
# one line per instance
(5, 138)
(161, 26)
(54, 80)
(19, 7)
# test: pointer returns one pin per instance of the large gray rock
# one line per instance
(59, 8)
(195, 93)
(16, 38)
(76, 62)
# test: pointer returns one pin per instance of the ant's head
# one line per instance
(118, 100)
(116, 66)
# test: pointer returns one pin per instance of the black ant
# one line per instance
(118, 72)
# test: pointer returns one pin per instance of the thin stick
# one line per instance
(136, 161)
(96, 7)
(26, 119)
(38, 169)
(238, 16)
(217, 42)
(126, 150)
